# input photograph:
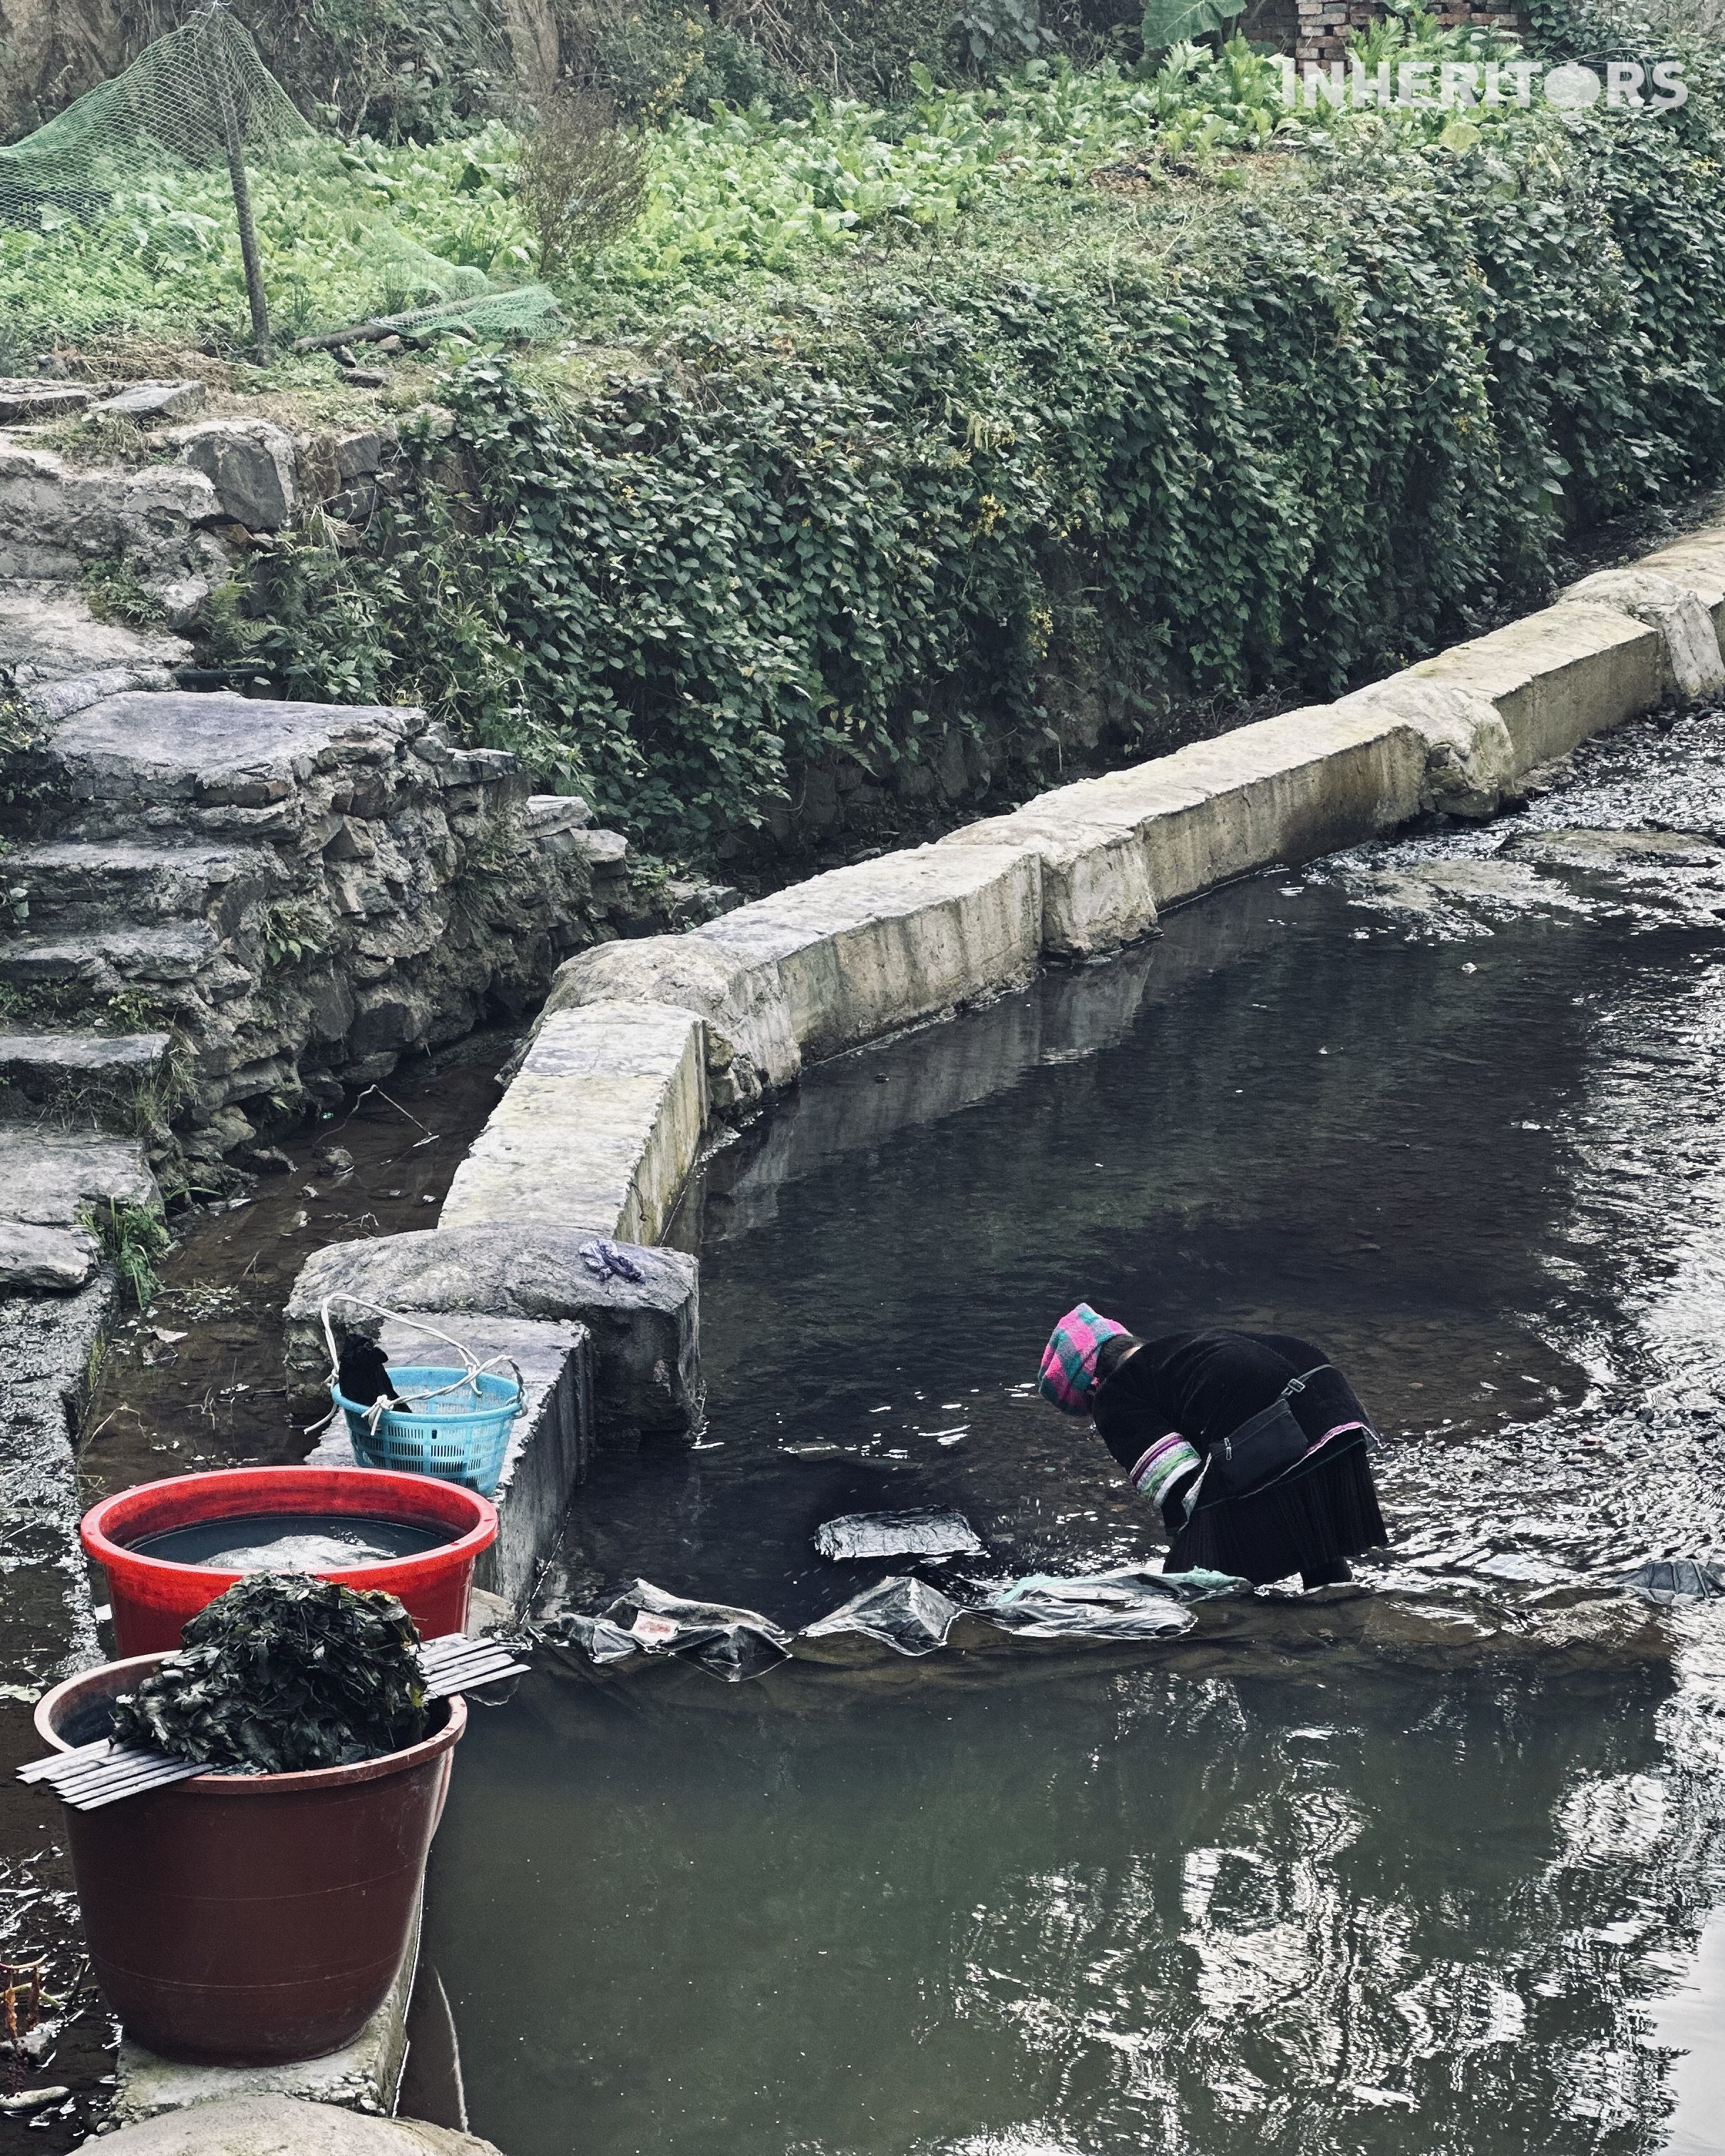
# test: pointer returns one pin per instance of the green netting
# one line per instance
(172, 107)
(151, 153)
(517, 309)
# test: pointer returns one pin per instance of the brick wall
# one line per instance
(1323, 24)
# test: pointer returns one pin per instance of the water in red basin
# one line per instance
(153, 1596)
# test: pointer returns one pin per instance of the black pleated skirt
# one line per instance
(1310, 1522)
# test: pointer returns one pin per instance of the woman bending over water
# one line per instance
(1254, 1445)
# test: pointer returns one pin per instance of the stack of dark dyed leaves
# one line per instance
(281, 1675)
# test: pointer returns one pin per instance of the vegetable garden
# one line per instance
(1030, 415)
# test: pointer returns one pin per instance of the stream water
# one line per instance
(1426, 1865)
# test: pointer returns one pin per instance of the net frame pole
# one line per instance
(216, 64)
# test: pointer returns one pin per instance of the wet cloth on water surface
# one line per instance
(1127, 1603)
(929, 1533)
(905, 1614)
(910, 1616)
(726, 1641)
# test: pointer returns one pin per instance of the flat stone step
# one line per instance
(145, 403)
(106, 959)
(219, 751)
(48, 1066)
(47, 1177)
(22, 402)
(48, 634)
(71, 882)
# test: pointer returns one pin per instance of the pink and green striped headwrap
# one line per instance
(1069, 1362)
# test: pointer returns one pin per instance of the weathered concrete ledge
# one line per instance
(863, 951)
(599, 1127)
(1696, 563)
(1559, 675)
(1113, 849)
(288, 2126)
(645, 1331)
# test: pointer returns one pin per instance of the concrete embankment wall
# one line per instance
(643, 1043)
(862, 951)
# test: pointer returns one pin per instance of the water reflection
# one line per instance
(1111, 1913)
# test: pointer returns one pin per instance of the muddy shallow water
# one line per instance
(195, 1381)
(1418, 1867)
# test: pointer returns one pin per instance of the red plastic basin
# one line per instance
(249, 1919)
(152, 1598)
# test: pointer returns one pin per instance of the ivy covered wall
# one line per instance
(970, 492)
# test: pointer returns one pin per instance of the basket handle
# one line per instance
(474, 1370)
(474, 1365)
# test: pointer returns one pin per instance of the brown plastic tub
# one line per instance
(249, 1920)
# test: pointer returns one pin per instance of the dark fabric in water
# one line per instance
(1310, 1522)
(1677, 1579)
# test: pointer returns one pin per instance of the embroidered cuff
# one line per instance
(1163, 1466)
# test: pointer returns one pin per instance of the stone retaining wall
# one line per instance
(239, 909)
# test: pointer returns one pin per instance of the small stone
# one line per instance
(44, 1260)
(22, 401)
(181, 598)
(144, 403)
(604, 852)
(267, 1160)
(335, 1158)
(360, 454)
(29, 2099)
(693, 901)
(250, 464)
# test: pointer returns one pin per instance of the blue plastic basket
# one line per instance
(459, 1433)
